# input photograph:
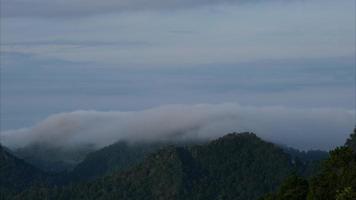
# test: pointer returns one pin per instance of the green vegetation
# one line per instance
(236, 166)
(311, 160)
(53, 159)
(293, 188)
(116, 157)
(336, 179)
(16, 175)
(351, 142)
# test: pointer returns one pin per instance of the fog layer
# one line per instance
(301, 128)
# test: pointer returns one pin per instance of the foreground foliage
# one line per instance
(336, 179)
(16, 175)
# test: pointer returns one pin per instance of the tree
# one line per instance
(351, 142)
(293, 188)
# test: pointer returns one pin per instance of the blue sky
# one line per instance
(63, 56)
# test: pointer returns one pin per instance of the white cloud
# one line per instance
(301, 128)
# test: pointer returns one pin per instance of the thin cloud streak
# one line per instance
(223, 34)
(80, 8)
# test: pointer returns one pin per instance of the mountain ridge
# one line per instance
(236, 166)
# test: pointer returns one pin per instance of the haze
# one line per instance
(135, 70)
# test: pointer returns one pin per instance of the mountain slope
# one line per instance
(53, 159)
(116, 157)
(311, 160)
(236, 166)
(243, 164)
(16, 174)
(336, 179)
(351, 142)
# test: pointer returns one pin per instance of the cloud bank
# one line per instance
(301, 128)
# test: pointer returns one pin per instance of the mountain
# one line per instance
(336, 179)
(116, 157)
(53, 159)
(16, 175)
(80, 161)
(307, 156)
(311, 160)
(351, 142)
(236, 166)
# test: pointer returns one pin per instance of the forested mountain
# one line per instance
(236, 166)
(306, 156)
(116, 157)
(16, 175)
(53, 159)
(336, 179)
(311, 160)
(351, 142)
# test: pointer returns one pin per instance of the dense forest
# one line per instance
(336, 179)
(236, 166)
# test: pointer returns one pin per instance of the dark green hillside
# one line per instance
(307, 156)
(311, 160)
(241, 166)
(338, 175)
(115, 157)
(351, 142)
(17, 175)
(53, 159)
(237, 166)
(336, 179)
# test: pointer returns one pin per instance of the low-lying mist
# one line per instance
(322, 128)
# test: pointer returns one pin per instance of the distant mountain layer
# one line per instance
(311, 160)
(116, 157)
(53, 159)
(16, 175)
(336, 179)
(236, 166)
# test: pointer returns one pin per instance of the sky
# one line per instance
(258, 60)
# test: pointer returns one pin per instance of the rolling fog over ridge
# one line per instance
(136, 71)
(322, 128)
(177, 100)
